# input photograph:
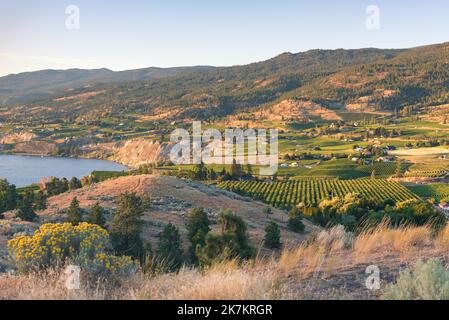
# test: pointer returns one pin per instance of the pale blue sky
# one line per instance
(137, 33)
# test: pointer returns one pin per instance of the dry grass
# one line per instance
(331, 257)
(223, 281)
(384, 239)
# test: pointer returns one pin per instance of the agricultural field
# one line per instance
(428, 170)
(311, 192)
(437, 191)
(345, 169)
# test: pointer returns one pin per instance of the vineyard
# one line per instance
(287, 194)
(437, 173)
(438, 191)
(427, 171)
(382, 170)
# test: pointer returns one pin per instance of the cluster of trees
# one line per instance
(57, 186)
(382, 132)
(25, 203)
(354, 211)
(96, 214)
(430, 143)
(205, 245)
(202, 173)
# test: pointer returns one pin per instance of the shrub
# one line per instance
(295, 220)
(272, 238)
(425, 281)
(55, 245)
(268, 211)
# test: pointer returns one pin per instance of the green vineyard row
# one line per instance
(287, 194)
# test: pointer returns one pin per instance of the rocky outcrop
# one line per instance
(36, 147)
(138, 152)
(14, 138)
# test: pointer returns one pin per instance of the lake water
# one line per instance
(24, 170)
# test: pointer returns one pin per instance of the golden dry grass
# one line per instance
(330, 255)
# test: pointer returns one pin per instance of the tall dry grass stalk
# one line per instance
(223, 281)
(442, 240)
(384, 240)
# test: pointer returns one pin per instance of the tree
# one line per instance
(236, 170)
(211, 175)
(373, 175)
(75, 213)
(295, 220)
(399, 169)
(97, 216)
(25, 211)
(197, 228)
(40, 201)
(126, 226)
(169, 251)
(8, 196)
(231, 243)
(74, 184)
(272, 238)
(199, 172)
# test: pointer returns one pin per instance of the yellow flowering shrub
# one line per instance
(54, 245)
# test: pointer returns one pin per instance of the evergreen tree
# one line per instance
(126, 226)
(295, 220)
(40, 201)
(272, 238)
(97, 216)
(75, 213)
(231, 243)
(74, 184)
(199, 172)
(236, 170)
(25, 211)
(169, 251)
(399, 169)
(8, 196)
(197, 228)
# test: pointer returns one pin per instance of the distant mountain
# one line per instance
(29, 86)
(374, 79)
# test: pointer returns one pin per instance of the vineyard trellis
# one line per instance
(287, 194)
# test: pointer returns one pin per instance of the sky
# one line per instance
(130, 34)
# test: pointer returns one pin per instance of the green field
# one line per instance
(438, 191)
(285, 195)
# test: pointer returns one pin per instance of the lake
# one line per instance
(24, 170)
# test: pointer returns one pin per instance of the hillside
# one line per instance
(29, 86)
(215, 92)
(365, 79)
(171, 200)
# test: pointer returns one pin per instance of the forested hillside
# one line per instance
(378, 79)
